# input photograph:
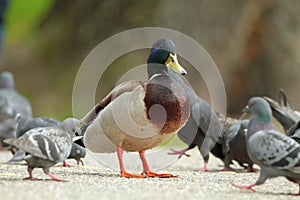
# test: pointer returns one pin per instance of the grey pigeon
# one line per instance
(234, 147)
(44, 147)
(275, 153)
(11, 103)
(13, 97)
(7, 122)
(203, 128)
(25, 124)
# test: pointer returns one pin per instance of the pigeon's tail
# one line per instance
(284, 114)
(283, 100)
(294, 132)
(17, 157)
(226, 121)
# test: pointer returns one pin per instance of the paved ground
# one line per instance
(95, 181)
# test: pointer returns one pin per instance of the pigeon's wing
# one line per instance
(273, 149)
(295, 128)
(286, 116)
(27, 123)
(229, 135)
(206, 119)
(47, 143)
(283, 100)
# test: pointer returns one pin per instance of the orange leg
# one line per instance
(148, 172)
(122, 168)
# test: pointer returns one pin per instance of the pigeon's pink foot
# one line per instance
(251, 169)
(247, 187)
(65, 164)
(226, 169)
(180, 153)
(55, 178)
(204, 169)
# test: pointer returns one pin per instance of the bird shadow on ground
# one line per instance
(96, 174)
(238, 191)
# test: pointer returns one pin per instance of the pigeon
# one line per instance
(203, 128)
(11, 103)
(7, 122)
(45, 146)
(139, 115)
(13, 97)
(234, 147)
(275, 153)
(25, 124)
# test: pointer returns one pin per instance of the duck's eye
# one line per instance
(172, 60)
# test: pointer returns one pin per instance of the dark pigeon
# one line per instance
(44, 147)
(203, 128)
(275, 153)
(234, 147)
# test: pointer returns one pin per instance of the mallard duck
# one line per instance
(139, 115)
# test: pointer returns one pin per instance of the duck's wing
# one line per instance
(127, 86)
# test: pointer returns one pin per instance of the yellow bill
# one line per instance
(173, 64)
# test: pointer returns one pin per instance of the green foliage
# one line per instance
(23, 17)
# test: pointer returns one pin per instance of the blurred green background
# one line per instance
(254, 43)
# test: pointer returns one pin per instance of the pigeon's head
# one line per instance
(77, 152)
(72, 126)
(7, 80)
(259, 108)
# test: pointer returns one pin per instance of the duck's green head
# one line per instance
(163, 52)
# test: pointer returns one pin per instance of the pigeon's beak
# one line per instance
(77, 138)
(245, 112)
(246, 109)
